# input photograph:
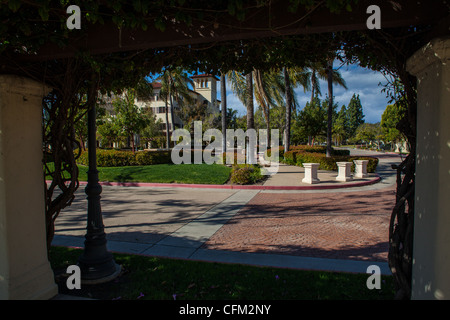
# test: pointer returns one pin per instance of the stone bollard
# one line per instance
(344, 171)
(361, 168)
(311, 173)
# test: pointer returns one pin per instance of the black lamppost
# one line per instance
(96, 263)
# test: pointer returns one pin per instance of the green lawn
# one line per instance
(147, 277)
(163, 173)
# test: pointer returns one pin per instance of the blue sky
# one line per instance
(359, 80)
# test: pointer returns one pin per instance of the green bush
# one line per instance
(145, 158)
(245, 174)
(306, 148)
(330, 163)
(118, 158)
(290, 157)
(279, 149)
(319, 149)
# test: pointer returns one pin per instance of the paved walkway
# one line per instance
(324, 229)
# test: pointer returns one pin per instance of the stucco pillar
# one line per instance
(431, 252)
(25, 272)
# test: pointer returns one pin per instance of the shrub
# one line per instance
(280, 150)
(245, 174)
(290, 157)
(118, 158)
(305, 148)
(330, 163)
(145, 158)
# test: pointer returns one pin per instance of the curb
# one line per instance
(236, 187)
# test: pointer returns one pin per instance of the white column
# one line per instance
(361, 168)
(25, 272)
(431, 251)
(344, 171)
(311, 173)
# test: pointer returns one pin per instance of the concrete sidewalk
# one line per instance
(178, 222)
(186, 242)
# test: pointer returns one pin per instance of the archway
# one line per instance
(306, 21)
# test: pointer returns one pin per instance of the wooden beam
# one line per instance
(267, 21)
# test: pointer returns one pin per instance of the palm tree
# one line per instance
(265, 87)
(318, 71)
(249, 101)
(287, 129)
(330, 105)
(239, 83)
(223, 98)
(174, 86)
(293, 77)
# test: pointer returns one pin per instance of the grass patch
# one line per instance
(162, 173)
(154, 278)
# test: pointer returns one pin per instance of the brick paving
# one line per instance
(347, 225)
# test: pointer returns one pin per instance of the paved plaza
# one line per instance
(336, 229)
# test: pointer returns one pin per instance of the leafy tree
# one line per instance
(151, 131)
(311, 121)
(368, 132)
(390, 119)
(108, 133)
(355, 114)
(340, 125)
(128, 118)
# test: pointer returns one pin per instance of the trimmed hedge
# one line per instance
(306, 148)
(118, 158)
(330, 163)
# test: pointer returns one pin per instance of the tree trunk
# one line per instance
(223, 96)
(172, 116)
(330, 106)
(250, 109)
(313, 84)
(167, 125)
(132, 142)
(287, 137)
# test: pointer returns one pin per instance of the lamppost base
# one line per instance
(97, 266)
(104, 279)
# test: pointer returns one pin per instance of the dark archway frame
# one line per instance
(218, 45)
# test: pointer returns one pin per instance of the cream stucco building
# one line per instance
(204, 91)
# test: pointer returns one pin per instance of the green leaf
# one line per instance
(160, 25)
(43, 13)
(14, 5)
